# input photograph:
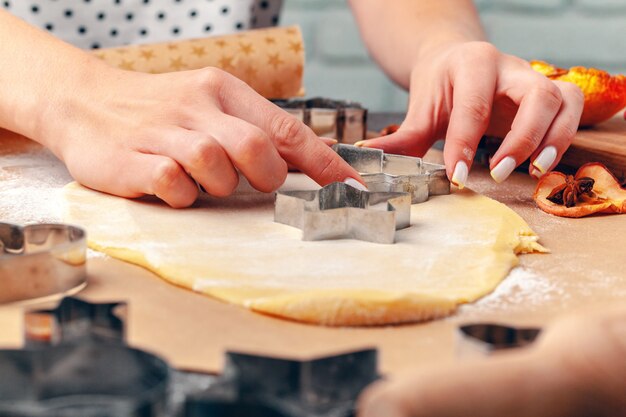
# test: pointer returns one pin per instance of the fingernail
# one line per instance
(459, 177)
(545, 159)
(535, 173)
(503, 169)
(354, 183)
(329, 140)
(359, 143)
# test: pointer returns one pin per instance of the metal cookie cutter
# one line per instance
(396, 173)
(341, 211)
(486, 338)
(85, 374)
(345, 121)
(258, 386)
(40, 260)
(74, 320)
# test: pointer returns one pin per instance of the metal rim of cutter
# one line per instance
(40, 260)
(342, 211)
(396, 173)
(486, 338)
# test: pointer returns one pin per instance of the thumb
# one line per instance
(414, 137)
(405, 141)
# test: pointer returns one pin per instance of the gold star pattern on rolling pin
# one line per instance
(198, 51)
(270, 40)
(177, 63)
(221, 43)
(291, 31)
(296, 47)
(172, 46)
(127, 65)
(147, 54)
(226, 62)
(245, 48)
(274, 60)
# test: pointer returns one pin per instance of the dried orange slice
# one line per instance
(605, 94)
(608, 194)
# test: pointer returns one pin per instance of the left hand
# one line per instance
(464, 90)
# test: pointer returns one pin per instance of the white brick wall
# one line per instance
(565, 32)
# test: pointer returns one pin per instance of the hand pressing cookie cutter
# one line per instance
(40, 260)
(339, 211)
(84, 374)
(345, 121)
(260, 386)
(487, 338)
(396, 173)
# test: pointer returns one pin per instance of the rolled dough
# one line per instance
(458, 248)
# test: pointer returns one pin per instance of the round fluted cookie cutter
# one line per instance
(40, 260)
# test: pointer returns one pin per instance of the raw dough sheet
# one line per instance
(458, 248)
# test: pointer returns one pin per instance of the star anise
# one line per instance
(572, 191)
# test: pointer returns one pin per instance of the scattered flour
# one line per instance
(522, 290)
(30, 187)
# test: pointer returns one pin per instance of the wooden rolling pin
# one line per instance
(269, 60)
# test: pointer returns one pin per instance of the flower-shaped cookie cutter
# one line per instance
(396, 173)
(40, 260)
(339, 211)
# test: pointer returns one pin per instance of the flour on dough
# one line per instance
(458, 249)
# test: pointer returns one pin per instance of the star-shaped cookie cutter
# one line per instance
(396, 173)
(339, 211)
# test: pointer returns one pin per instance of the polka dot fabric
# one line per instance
(93, 24)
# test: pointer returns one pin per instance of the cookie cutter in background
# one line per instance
(258, 386)
(87, 371)
(339, 211)
(40, 260)
(74, 319)
(485, 338)
(345, 121)
(396, 173)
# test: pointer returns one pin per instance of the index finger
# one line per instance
(295, 142)
(472, 99)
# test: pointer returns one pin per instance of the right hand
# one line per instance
(132, 134)
(576, 368)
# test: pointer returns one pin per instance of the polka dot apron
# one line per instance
(93, 24)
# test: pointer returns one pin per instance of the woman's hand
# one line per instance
(132, 134)
(576, 368)
(463, 90)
